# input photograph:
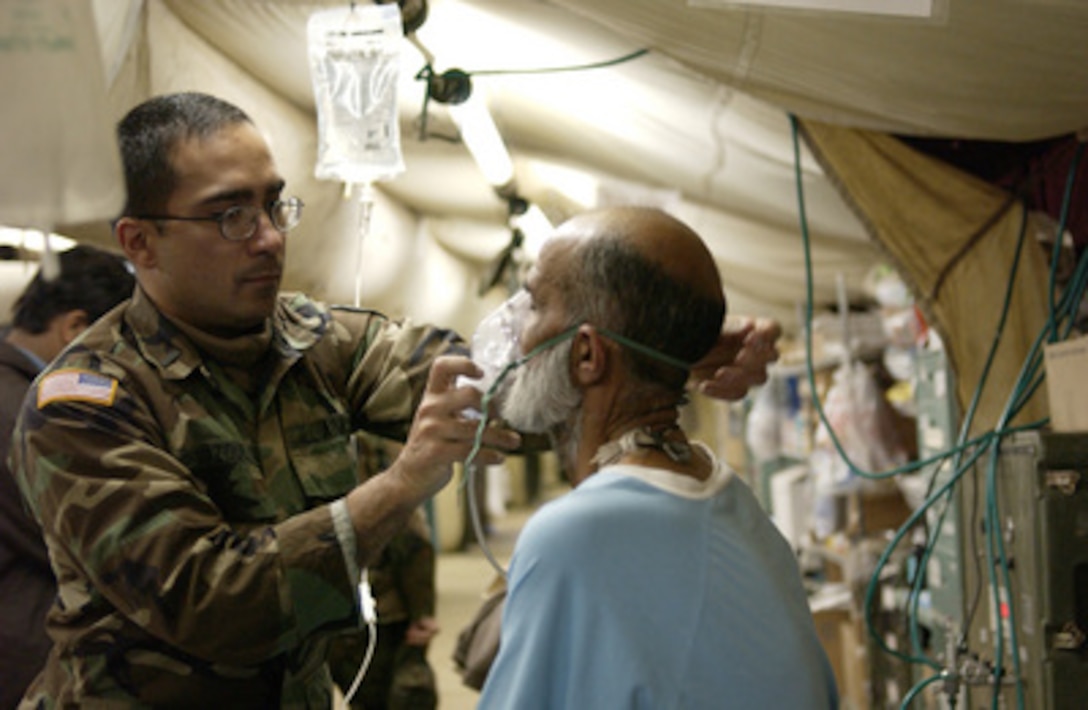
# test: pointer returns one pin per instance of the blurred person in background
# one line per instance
(47, 316)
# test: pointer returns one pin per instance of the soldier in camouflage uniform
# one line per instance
(192, 460)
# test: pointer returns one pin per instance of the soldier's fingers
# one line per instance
(502, 438)
(447, 368)
(492, 435)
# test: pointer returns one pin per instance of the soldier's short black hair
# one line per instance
(148, 134)
(90, 279)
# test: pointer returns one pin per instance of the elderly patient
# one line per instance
(658, 582)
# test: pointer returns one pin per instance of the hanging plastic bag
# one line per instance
(763, 432)
(860, 417)
(354, 66)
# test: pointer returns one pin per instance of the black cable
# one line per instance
(977, 559)
(427, 74)
(555, 70)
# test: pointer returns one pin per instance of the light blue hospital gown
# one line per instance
(644, 589)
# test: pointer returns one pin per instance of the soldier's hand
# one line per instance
(421, 631)
(441, 434)
(739, 360)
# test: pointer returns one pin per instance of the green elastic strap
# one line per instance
(568, 333)
(646, 350)
(551, 342)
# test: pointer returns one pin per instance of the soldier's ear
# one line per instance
(135, 238)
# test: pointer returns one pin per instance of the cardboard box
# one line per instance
(883, 509)
(842, 637)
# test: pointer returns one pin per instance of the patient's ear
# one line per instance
(591, 356)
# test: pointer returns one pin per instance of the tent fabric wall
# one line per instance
(701, 117)
(1003, 69)
(14, 277)
(932, 219)
(58, 164)
(721, 156)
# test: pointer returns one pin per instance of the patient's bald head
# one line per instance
(644, 274)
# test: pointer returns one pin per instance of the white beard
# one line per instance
(541, 397)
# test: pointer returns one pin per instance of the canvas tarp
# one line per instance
(954, 239)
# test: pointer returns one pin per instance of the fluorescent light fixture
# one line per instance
(33, 239)
(578, 186)
(898, 8)
(536, 228)
(482, 138)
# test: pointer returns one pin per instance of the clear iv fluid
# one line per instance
(358, 141)
(354, 66)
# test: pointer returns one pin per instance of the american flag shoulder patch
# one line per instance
(76, 386)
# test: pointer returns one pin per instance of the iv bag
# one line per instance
(354, 66)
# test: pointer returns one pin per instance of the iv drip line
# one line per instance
(366, 215)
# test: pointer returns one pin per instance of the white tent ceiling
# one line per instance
(699, 124)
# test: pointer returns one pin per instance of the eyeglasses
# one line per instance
(239, 223)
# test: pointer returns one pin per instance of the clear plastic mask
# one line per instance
(497, 340)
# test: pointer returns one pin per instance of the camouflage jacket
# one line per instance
(188, 521)
(402, 580)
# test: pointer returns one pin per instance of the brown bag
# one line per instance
(478, 643)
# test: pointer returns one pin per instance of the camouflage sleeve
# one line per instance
(390, 362)
(141, 549)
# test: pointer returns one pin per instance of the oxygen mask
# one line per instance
(496, 342)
